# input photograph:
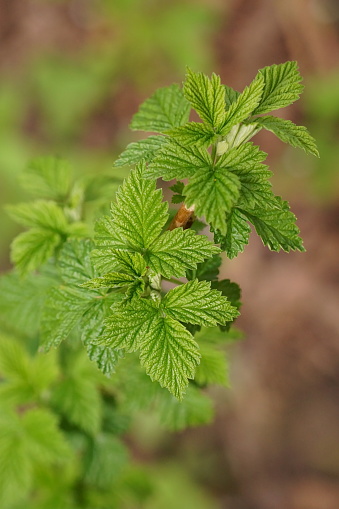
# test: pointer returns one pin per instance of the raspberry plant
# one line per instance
(141, 293)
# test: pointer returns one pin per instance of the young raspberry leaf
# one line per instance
(282, 87)
(193, 133)
(177, 161)
(296, 135)
(237, 234)
(165, 109)
(207, 97)
(47, 177)
(213, 193)
(143, 149)
(178, 250)
(195, 302)
(275, 224)
(244, 105)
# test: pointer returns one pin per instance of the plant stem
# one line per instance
(183, 218)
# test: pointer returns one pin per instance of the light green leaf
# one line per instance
(139, 150)
(128, 324)
(245, 162)
(196, 409)
(45, 442)
(176, 161)
(78, 399)
(276, 226)
(75, 262)
(169, 354)
(104, 462)
(244, 104)
(63, 310)
(178, 250)
(21, 301)
(48, 177)
(213, 368)
(213, 192)
(41, 214)
(195, 302)
(231, 96)
(92, 329)
(193, 133)
(207, 97)
(110, 280)
(296, 135)
(33, 248)
(165, 109)
(237, 234)
(282, 87)
(139, 214)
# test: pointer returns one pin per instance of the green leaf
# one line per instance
(45, 443)
(244, 104)
(93, 327)
(196, 409)
(213, 368)
(178, 250)
(282, 87)
(48, 177)
(41, 214)
(237, 234)
(195, 302)
(245, 162)
(165, 109)
(104, 461)
(230, 290)
(15, 464)
(176, 161)
(79, 401)
(231, 96)
(167, 349)
(193, 133)
(207, 270)
(143, 149)
(63, 310)
(207, 97)
(276, 226)
(139, 214)
(75, 263)
(295, 135)
(33, 248)
(213, 192)
(110, 280)
(169, 354)
(178, 187)
(21, 301)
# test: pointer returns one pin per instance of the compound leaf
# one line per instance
(237, 234)
(193, 133)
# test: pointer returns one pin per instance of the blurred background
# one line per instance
(72, 74)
